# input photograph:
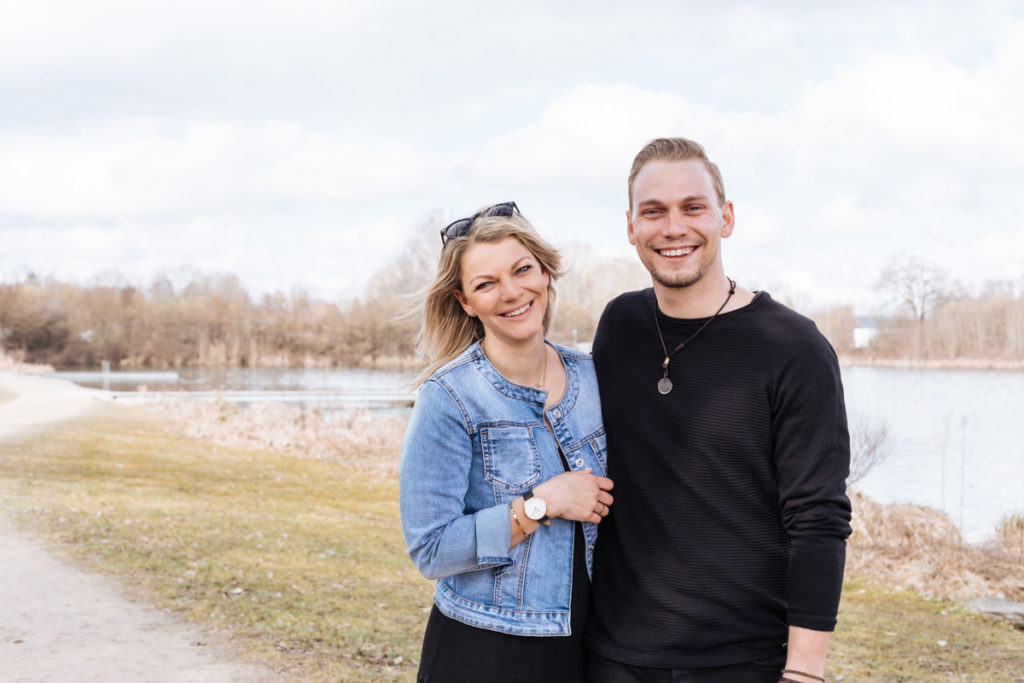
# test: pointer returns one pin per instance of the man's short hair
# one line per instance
(675, 149)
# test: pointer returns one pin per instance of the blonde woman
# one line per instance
(502, 467)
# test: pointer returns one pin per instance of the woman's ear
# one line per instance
(464, 302)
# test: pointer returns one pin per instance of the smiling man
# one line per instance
(727, 439)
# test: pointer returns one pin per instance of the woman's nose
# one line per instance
(510, 289)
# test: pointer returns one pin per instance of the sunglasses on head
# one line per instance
(461, 227)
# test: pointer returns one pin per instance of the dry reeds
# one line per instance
(358, 438)
(920, 548)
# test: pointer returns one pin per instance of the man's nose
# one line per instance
(676, 223)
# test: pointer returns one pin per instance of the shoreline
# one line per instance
(996, 364)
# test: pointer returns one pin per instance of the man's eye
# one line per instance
(693, 208)
(651, 212)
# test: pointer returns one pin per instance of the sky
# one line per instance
(307, 144)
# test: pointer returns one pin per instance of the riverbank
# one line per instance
(297, 555)
(912, 546)
(847, 360)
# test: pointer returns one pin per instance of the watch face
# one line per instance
(535, 508)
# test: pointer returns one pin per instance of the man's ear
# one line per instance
(728, 219)
(629, 228)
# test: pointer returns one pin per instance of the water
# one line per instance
(955, 436)
(341, 380)
(956, 441)
(333, 391)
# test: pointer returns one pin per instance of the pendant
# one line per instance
(664, 385)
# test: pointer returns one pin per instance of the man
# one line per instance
(722, 559)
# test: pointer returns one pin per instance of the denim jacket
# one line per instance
(476, 442)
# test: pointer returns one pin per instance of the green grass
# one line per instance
(301, 562)
(888, 634)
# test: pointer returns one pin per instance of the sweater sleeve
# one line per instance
(441, 538)
(812, 459)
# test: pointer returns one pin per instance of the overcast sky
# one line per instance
(297, 143)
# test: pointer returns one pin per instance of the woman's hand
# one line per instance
(579, 496)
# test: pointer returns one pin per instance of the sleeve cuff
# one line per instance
(493, 535)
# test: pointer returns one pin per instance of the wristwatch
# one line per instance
(536, 508)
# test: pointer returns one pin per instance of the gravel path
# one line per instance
(59, 623)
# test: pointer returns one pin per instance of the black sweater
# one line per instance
(730, 513)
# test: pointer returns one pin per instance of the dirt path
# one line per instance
(59, 623)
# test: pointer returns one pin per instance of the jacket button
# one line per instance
(557, 412)
(579, 462)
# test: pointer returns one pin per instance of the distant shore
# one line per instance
(847, 360)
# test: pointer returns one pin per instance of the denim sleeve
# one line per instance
(434, 470)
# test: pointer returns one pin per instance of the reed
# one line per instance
(920, 548)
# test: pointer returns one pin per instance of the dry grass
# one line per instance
(917, 547)
(357, 438)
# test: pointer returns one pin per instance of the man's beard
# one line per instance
(679, 280)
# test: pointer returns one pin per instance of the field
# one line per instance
(300, 561)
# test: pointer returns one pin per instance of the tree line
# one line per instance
(211, 319)
(934, 317)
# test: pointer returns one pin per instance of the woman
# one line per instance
(501, 484)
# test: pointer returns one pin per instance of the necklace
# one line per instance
(665, 384)
(544, 368)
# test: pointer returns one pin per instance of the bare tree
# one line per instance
(868, 447)
(916, 284)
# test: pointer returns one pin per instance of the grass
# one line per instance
(301, 562)
(893, 635)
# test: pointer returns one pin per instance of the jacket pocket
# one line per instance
(511, 459)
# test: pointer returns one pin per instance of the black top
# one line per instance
(454, 652)
(730, 513)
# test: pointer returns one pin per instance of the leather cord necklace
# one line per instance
(665, 384)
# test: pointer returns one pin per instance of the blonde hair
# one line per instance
(675, 149)
(447, 329)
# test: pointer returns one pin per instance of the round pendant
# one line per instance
(664, 385)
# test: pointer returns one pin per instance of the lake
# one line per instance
(956, 437)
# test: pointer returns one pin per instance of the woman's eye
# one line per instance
(482, 285)
(523, 269)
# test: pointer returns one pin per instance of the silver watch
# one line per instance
(536, 508)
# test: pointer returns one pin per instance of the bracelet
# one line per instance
(512, 509)
(801, 673)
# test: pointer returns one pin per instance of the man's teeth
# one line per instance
(685, 251)
(518, 311)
